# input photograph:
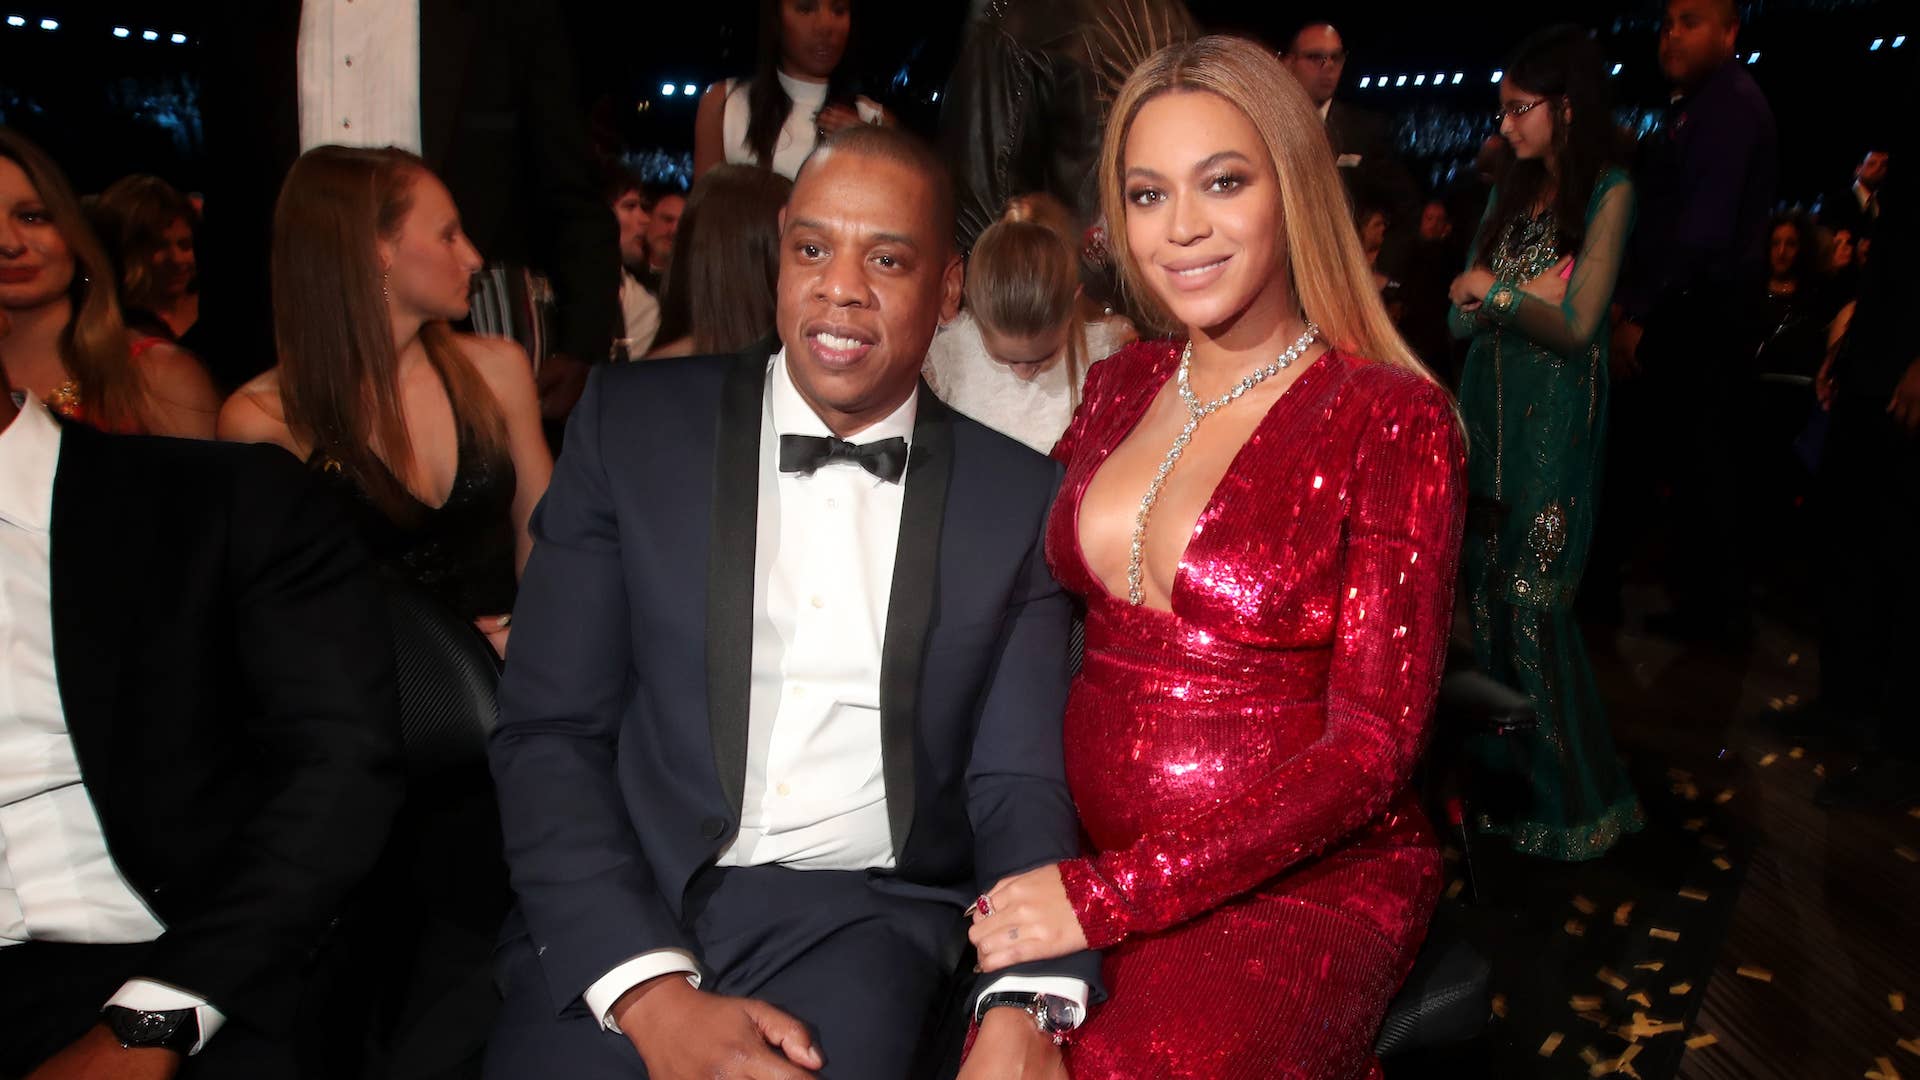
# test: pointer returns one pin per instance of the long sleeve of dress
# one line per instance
(1462, 324)
(1403, 536)
(1569, 326)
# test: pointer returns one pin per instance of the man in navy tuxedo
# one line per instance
(786, 688)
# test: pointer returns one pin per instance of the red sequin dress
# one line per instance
(1261, 874)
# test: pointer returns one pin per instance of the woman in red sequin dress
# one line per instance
(1265, 617)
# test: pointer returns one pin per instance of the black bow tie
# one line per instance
(804, 454)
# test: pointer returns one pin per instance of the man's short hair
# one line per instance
(901, 148)
(1292, 40)
(1728, 10)
(616, 180)
(652, 193)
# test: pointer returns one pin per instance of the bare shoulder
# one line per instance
(502, 363)
(255, 414)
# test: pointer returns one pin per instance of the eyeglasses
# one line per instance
(1322, 59)
(1516, 111)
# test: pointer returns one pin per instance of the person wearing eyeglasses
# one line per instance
(1534, 300)
(1362, 144)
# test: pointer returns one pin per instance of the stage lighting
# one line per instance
(1401, 81)
(178, 39)
(149, 35)
(1458, 76)
(49, 24)
(1366, 81)
(1754, 59)
(1419, 80)
(121, 31)
(1617, 67)
(1899, 41)
(1877, 42)
(1497, 75)
(16, 20)
(689, 90)
(668, 89)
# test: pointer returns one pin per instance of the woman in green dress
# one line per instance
(1534, 300)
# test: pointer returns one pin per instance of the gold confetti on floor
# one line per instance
(1583, 905)
(1886, 1070)
(1576, 928)
(1639, 997)
(1680, 989)
(1914, 813)
(1453, 889)
(1897, 1001)
(1754, 972)
(1721, 862)
(1797, 752)
(1819, 770)
(1586, 1003)
(1551, 1044)
(1704, 1039)
(1693, 894)
(1500, 1006)
(1725, 797)
(1589, 1055)
(1607, 976)
(1769, 759)
(1695, 824)
(1622, 913)
(1911, 1046)
(1907, 853)
(1793, 659)
(1649, 965)
(1664, 934)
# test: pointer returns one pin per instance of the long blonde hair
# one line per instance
(95, 346)
(1023, 277)
(1331, 278)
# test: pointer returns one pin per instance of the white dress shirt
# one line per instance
(640, 316)
(58, 882)
(815, 796)
(359, 73)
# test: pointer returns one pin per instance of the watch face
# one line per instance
(135, 1028)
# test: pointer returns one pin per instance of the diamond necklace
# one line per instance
(1196, 412)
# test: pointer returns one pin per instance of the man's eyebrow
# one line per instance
(901, 239)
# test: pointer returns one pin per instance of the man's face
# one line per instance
(1873, 169)
(1696, 37)
(1317, 59)
(663, 225)
(866, 275)
(631, 213)
(1433, 222)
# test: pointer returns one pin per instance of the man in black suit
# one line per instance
(198, 750)
(787, 687)
(482, 89)
(1362, 143)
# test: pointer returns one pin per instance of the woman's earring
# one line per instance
(384, 294)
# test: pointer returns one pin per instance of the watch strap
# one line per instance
(174, 1029)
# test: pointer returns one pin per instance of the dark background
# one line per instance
(106, 106)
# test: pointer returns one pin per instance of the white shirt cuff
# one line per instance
(606, 990)
(1052, 985)
(145, 995)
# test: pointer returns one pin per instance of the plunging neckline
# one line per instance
(1275, 408)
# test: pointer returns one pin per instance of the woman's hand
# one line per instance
(496, 629)
(1550, 284)
(834, 117)
(1031, 920)
(1470, 288)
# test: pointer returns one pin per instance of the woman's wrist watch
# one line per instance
(1055, 1016)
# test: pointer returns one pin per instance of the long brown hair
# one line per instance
(722, 279)
(1331, 278)
(133, 215)
(339, 366)
(94, 347)
(1023, 277)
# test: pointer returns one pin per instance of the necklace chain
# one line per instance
(1197, 411)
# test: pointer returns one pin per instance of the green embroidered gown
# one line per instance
(1534, 394)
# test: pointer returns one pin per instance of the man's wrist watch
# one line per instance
(1055, 1016)
(175, 1029)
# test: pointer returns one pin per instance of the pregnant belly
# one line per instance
(1144, 761)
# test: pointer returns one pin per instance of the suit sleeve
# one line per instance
(1017, 796)
(312, 649)
(583, 881)
(582, 256)
(1403, 542)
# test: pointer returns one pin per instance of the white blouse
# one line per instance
(1035, 411)
(796, 139)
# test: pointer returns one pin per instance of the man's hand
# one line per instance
(98, 1055)
(1010, 1046)
(1905, 406)
(1623, 360)
(561, 380)
(686, 1034)
(1032, 920)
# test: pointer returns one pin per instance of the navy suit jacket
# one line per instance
(622, 745)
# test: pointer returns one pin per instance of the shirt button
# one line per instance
(819, 602)
(784, 790)
(349, 61)
(348, 124)
(832, 504)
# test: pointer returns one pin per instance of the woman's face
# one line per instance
(36, 265)
(1529, 133)
(429, 261)
(1373, 231)
(1842, 249)
(1783, 250)
(1026, 355)
(1203, 217)
(813, 36)
(173, 263)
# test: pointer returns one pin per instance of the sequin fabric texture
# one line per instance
(1261, 875)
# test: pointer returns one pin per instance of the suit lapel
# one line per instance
(446, 30)
(92, 585)
(916, 564)
(730, 567)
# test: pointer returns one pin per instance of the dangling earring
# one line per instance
(384, 295)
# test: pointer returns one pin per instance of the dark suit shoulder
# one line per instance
(160, 465)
